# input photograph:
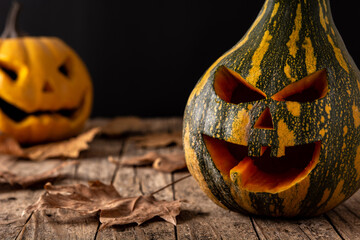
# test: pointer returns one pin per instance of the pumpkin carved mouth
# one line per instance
(263, 173)
(18, 115)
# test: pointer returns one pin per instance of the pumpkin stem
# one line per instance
(11, 29)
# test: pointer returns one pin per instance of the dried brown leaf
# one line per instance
(141, 160)
(9, 146)
(164, 162)
(6, 162)
(170, 162)
(122, 125)
(114, 209)
(139, 210)
(25, 181)
(95, 123)
(69, 148)
(163, 124)
(158, 139)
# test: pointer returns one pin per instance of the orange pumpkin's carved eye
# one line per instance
(11, 73)
(232, 88)
(64, 69)
(308, 89)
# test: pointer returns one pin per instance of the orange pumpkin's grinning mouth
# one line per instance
(19, 115)
(264, 173)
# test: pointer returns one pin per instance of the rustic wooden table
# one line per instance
(199, 218)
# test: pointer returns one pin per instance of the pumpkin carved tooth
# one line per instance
(18, 115)
(264, 173)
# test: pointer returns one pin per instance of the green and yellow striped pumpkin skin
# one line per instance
(289, 40)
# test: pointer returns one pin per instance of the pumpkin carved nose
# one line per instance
(265, 120)
(47, 88)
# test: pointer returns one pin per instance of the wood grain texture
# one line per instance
(200, 218)
(133, 181)
(314, 228)
(65, 224)
(346, 218)
(57, 223)
(13, 200)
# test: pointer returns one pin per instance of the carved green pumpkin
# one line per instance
(272, 127)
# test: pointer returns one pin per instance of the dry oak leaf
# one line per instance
(164, 162)
(170, 162)
(114, 209)
(122, 125)
(9, 146)
(68, 148)
(158, 139)
(132, 124)
(25, 181)
(140, 160)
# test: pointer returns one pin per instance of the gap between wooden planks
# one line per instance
(199, 219)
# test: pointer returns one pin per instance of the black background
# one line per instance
(146, 56)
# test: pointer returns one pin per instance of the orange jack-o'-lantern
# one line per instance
(45, 88)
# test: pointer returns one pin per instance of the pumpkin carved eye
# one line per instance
(308, 89)
(232, 88)
(11, 73)
(64, 69)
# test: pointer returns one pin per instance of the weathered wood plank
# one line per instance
(150, 181)
(346, 218)
(199, 219)
(66, 224)
(14, 200)
(134, 181)
(59, 224)
(318, 228)
(127, 185)
(95, 169)
(275, 228)
(12, 205)
(102, 148)
(203, 219)
(163, 124)
(55, 224)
